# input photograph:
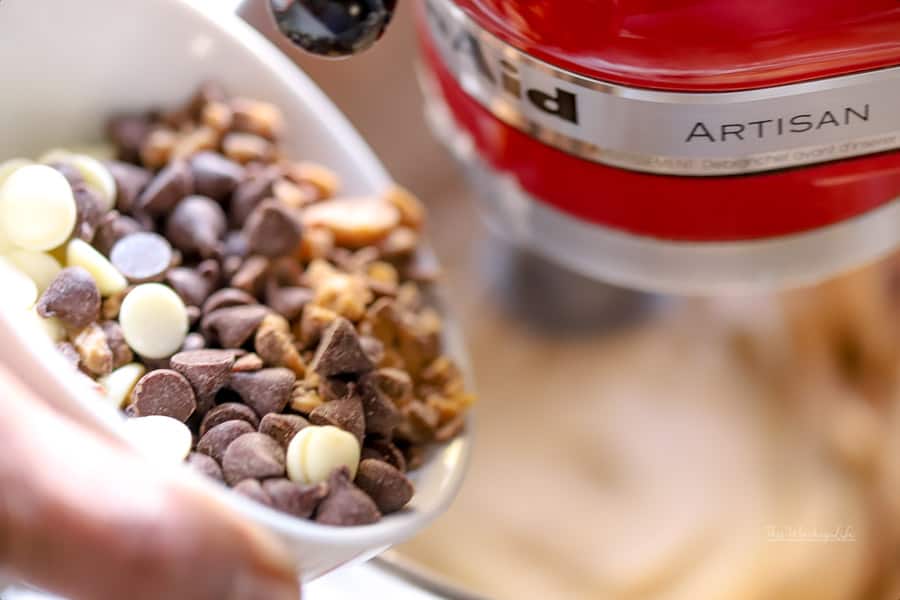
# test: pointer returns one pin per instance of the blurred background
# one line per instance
(631, 446)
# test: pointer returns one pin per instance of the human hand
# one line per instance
(91, 519)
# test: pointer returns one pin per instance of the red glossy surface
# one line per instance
(675, 208)
(699, 45)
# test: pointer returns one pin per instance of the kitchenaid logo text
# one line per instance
(656, 131)
(796, 124)
(502, 74)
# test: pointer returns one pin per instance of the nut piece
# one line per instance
(317, 451)
(253, 456)
(37, 208)
(72, 297)
(154, 320)
(355, 222)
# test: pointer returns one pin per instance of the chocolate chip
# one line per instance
(295, 498)
(225, 298)
(340, 352)
(253, 490)
(112, 228)
(282, 428)
(89, 212)
(130, 181)
(229, 411)
(215, 441)
(253, 456)
(248, 362)
(127, 133)
(272, 230)
(142, 257)
(250, 193)
(164, 392)
(205, 465)
(72, 297)
(346, 505)
(167, 189)
(251, 275)
(196, 226)
(382, 449)
(388, 487)
(380, 413)
(233, 326)
(190, 285)
(288, 301)
(345, 413)
(214, 175)
(115, 339)
(193, 341)
(265, 391)
(207, 371)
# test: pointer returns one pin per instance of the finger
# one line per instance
(85, 518)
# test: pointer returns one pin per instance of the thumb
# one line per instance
(86, 518)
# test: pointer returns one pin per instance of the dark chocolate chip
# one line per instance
(339, 352)
(115, 339)
(226, 298)
(381, 414)
(127, 133)
(215, 441)
(272, 229)
(130, 181)
(72, 297)
(265, 391)
(205, 465)
(142, 257)
(167, 189)
(207, 371)
(288, 301)
(112, 228)
(164, 392)
(346, 505)
(345, 413)
(253, 456)
(253, 490)
(385, 484)
(233, 326)
(282, 428)
(251, 275)
(228, 411)
(295, 498)
(384, 450)
(214, 175)
(196, 226)
(89, 212)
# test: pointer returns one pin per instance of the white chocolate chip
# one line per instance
(40, 266)
(154, 320)
(108, 279)
(97, 176)
(8, 167)
(37, 208)
(117, 385)
(317, 451)
(161, 438)
(19, 290)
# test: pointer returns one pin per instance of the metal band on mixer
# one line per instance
(669, 133)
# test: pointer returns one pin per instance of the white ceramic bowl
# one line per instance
(66, 66)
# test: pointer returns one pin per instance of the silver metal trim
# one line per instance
(618, 133)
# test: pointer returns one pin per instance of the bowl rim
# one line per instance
(80, 400)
